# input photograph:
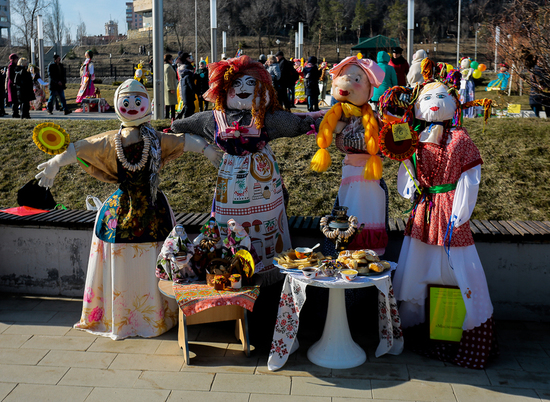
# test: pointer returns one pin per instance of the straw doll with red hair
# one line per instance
(246, 117)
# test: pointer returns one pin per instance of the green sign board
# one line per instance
(447, 313)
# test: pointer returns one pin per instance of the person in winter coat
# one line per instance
(415, 72)
(24, 86)
(170, 87)
(390, 78)
(287, 81)
(311, 78)
(58, 84)
(400, 65)
(186, 85)
(2, 92)
(10, 85)
(274, 71)
(201, 85)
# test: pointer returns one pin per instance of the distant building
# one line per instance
(5, 23)
(111, 28)
(145, 9)
(133, 19)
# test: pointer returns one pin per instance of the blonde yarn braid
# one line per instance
(321, 160)
(373, 168)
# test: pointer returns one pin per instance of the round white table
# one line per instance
(336, 348)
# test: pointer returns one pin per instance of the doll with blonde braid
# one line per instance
(355, 126)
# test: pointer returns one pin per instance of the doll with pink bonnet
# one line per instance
(354, 126)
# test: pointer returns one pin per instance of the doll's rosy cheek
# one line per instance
(231, 93)
(142, 108)
(122, 110)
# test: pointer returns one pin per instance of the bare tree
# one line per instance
(257, 15)
(26, 12)
(55, 25)
(80, 31)
(523, 41)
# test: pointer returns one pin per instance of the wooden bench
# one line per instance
(193, 221)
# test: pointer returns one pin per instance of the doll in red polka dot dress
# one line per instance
(442, 179)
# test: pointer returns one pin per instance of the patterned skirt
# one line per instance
(121, 296)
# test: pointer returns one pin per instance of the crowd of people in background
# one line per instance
(185, 82)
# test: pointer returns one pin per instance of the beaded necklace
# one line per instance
(132, 167)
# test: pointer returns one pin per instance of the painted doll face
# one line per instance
(352, 85)
(435, 104)
(241, 93)
(132, 107)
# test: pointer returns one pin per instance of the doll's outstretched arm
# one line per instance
(466, 196)
(194, 143)
(51, 167)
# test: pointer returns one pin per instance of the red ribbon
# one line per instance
(236, 127)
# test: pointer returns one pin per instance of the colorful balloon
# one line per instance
(474, 65)
(482, 67)
(359, 56)
(476, 74)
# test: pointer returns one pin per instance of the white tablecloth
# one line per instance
(293, 297)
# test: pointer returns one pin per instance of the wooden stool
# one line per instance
(214, 314)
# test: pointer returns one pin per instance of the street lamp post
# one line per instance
(213, 28)
(110, 66)
(301, 39)
(458, 36)
(40, 27)
(158, 68)
(224, 43)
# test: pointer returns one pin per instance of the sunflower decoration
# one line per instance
(51, 138)
(398, 147)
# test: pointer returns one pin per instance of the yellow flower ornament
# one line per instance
(50, 138)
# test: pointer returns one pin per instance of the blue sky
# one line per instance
(94, 13)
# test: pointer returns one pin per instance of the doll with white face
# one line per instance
(241, 94)
(435, 104)
(136, 216)
(246, 117)
(442, 179)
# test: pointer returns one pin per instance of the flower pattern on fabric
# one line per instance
(293, 297)
(389, 322)
(292, 300)
(128, 215)
(127, 307)
(193, 299)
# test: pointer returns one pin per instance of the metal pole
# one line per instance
(213, 28)
(224, 43)
(296, 45)
(410, 30)
(158, 68)
(475, 53)
(40, 27)
(301, 39)
(458, 36)
(33, 54)
(497, 41)
(196, 36)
